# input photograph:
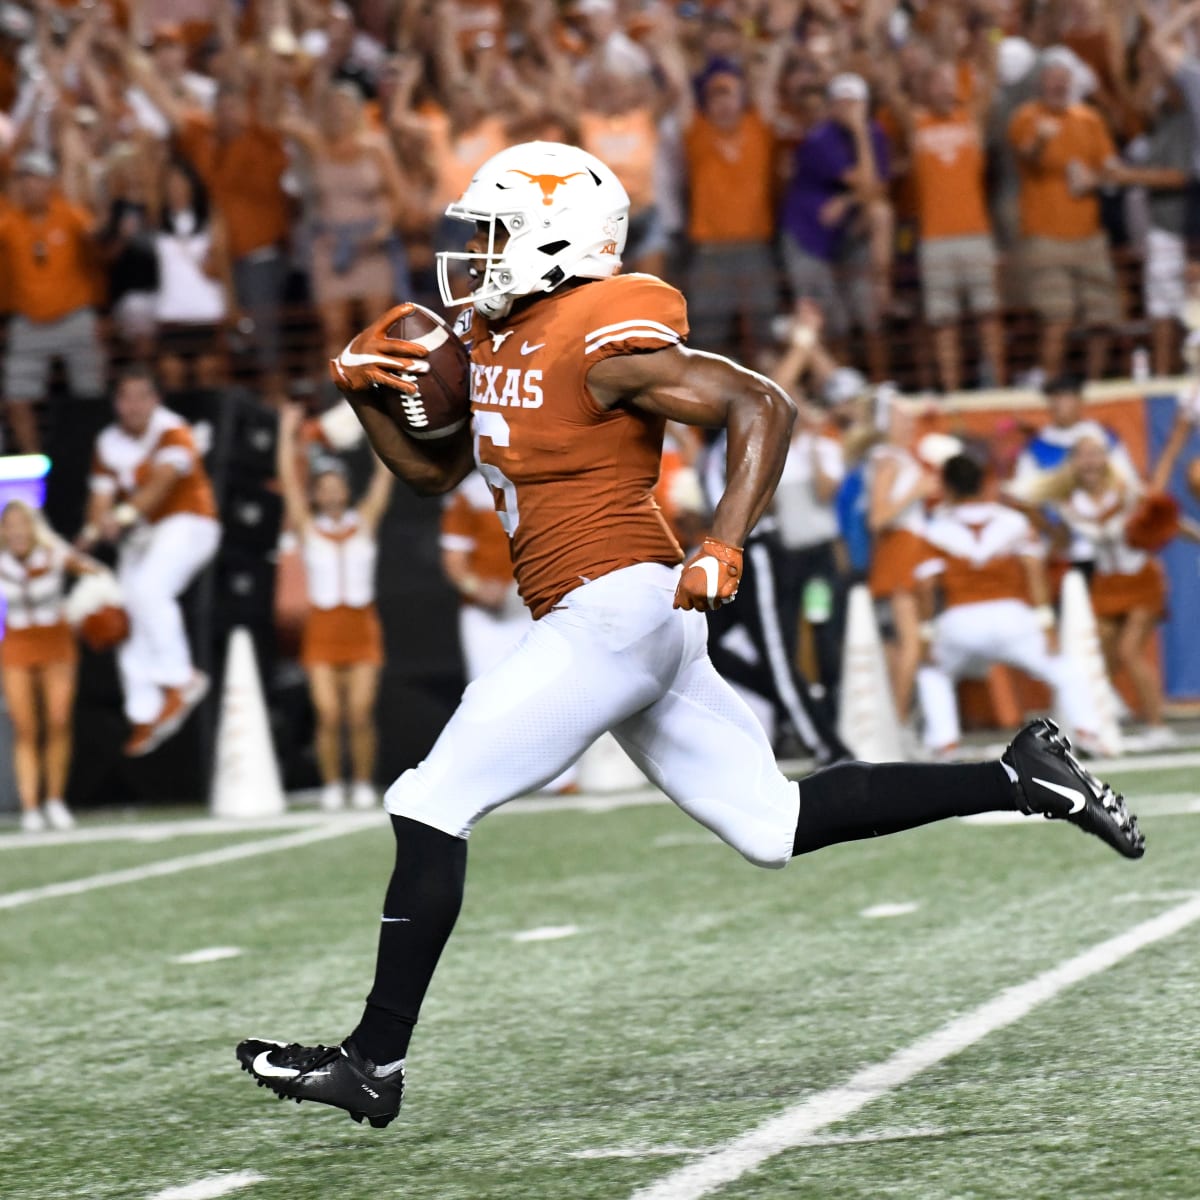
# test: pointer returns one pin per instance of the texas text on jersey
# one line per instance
(572, 482)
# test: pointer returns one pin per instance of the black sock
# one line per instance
(422, 903)
(857, 800)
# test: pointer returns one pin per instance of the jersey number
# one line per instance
(492, 425)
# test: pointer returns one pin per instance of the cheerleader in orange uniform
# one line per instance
(898, 486)
(342, 644)
(38, 658)
(1128, 585)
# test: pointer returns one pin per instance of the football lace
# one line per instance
(414, 410)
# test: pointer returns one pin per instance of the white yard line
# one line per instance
(211, 1188)
(878, 911)
(545, 933)
(173, 866)
(163, 830)
(796, 1125)
(207, 955)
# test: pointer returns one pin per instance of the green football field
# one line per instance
(626, 1009)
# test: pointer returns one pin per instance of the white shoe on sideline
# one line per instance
(32, 821)
(1158, 737)
(333, 797)
(58, 814)
(363, 795)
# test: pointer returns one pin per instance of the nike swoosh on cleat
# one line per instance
(395, 920)
(264, 1066)
(526, 348)
(1077, 798)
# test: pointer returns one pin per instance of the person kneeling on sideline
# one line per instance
(989, 564)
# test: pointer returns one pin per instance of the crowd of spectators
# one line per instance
(946, 193)
(226, 187)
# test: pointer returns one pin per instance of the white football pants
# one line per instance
(613, 655)
(968, 639)
(154, 567)
(486, 637)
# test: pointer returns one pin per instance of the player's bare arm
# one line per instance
(430, 469)
(695, 388)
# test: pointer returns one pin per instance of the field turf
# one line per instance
(673, 999)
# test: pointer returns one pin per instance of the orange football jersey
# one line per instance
(573, 483)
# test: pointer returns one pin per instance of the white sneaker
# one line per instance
(32, 821)
(1158, 737)
(363, 795)
(333, 797)
(58, 814)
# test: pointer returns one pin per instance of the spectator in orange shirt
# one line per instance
(729, 152)
(618, 125)
(47, 249)
(956, 255)
(1062, 150)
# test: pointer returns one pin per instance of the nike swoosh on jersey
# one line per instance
(526, 348)
(1076, 797)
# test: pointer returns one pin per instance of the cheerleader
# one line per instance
(38, 658)
(342, 644)
(897, 488)
(1128, 585)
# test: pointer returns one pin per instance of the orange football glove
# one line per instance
(372, 359)
(710, 577)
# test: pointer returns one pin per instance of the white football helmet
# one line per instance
(566, 216)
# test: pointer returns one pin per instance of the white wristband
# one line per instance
(126, 515)
(1045, 616)
(925, 629)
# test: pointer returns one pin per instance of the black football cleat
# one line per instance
(334, 1075)
(1051, 782)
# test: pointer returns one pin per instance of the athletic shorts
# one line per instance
(32, 344)
(1072, 279)
(952, 267)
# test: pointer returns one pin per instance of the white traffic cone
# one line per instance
(246, 779)
(605, 767)
(1079, 644)
(867, 720)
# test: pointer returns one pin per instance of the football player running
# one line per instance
(575, 369)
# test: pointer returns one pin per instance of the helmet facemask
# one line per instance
(493, 276)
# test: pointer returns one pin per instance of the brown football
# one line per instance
(444, 405)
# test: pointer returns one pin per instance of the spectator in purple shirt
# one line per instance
(837, 221)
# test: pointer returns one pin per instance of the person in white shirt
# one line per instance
(150, 494)
(194, 283)
(342, 644)
(1096, 499)
(1048, 451)
(989, 565)
(38, 660)
(898, 486)
(807, 523)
